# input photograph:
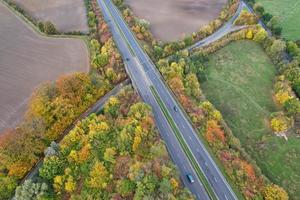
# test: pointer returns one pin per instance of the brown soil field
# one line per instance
(28, 59)
(66, 15)
(172, 19)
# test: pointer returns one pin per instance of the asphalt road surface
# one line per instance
(144, 74)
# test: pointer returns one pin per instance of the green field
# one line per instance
(288, 12)
(239, 81)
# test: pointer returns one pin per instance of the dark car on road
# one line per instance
(190, 178)
(175, 108)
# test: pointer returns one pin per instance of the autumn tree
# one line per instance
(274, 192)
(246, 18)
(99, 176)
(280, 124)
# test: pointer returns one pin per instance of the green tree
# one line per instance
(109, 155)
(165, 186)
(276, 49)
(29, 190)
(158, 52)
(259, 9)
(260, 35)
(296, 86)
(125, 187)
(292, 106)
(293, 48)
(7, 187)
(52, 167)
(112, 106)
(99, 61)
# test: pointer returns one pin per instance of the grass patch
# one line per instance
(239, 82)
(288, 12)
(184, 145)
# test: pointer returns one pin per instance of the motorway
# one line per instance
(144, 75)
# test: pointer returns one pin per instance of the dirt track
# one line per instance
(171, 19)
(67, 15)
(26, 60)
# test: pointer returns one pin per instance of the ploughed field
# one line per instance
(239, 82)
(66, 15)
(288, 12)
(172, 19)
(28, 59)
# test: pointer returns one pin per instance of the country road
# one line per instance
(145, 76)
(227, 28)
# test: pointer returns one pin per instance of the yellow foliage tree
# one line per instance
(70, 185)
(84, 153)
(18, 169)
(279, 124)
(249, 35)
(58, 183)
(73, 157)
(136, 142)
(282, 97)
(98, 176)
(174, 183)
(135, 170)
(109, 154)
(274, 192)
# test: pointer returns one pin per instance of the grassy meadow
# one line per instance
(239, 82)
(288, 12)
